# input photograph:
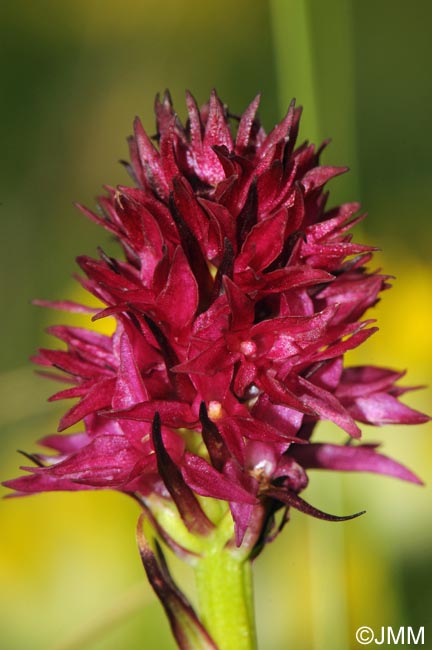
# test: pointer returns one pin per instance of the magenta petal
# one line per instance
(280, 132)
(216, 129)
(279, 394)
(35, 483)
(106, 461)
(209, 362)
(179, 299)
(264, 243)
(286, 420)
(245, 124)
(66, 444)
(253, 429)
(174, 414)
(98, 397)
(65, 305)
(350, 458)
(150, 160)
(71, 363)
(382, 408)
(195, 124)
(328, 407)
(241, 514)
(129, 388)
(291, 277)
(318, 176)
(362, 380)
(242, 308)
(70, 393)
(208, 482)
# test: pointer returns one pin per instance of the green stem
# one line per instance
(225, 597)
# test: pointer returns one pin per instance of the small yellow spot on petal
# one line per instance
(248, 348)
(214, 410)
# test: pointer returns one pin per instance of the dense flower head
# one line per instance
(237, 298)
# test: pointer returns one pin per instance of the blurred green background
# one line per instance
(73, 76)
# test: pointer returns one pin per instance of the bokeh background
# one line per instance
(73, 75)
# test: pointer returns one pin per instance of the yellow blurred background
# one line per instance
(74, 74)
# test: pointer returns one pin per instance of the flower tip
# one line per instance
(191, 102)
(254, 104)
(137, 125)
(167, 99)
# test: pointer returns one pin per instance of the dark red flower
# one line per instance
(237, 299)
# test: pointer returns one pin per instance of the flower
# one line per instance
(237, 298)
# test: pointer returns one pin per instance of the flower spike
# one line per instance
(236, 297)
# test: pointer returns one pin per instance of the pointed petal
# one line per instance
(280, 131)
(129, 388)
(382, 408)
(245, 125)
(196, 128)
(105, 459)
(350, 458)
(328, 407)
(362, 380)
(66, 305)
(179, 300)
(150, 160)
(208, 482)
(242, 307)
(174, 414)
(208, 362)
(98, 397)
(36, 483)
(217, 131)
(66, 444)
(241, 514)
(318, 176)
(263, 243)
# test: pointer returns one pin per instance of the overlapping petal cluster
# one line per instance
(237, 298)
